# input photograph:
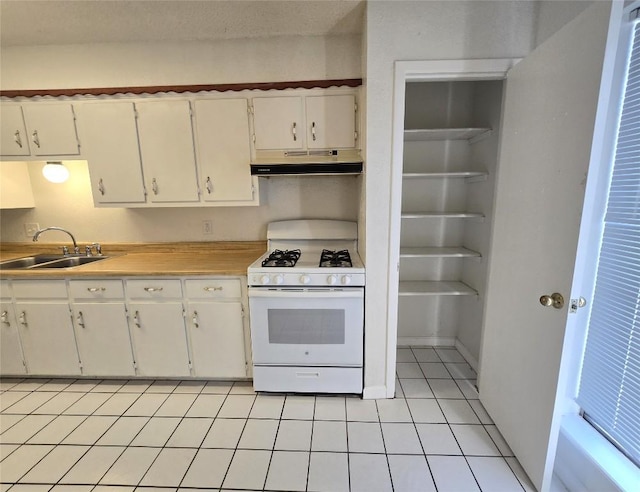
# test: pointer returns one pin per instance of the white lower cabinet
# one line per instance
(102, 331)
(11, 359)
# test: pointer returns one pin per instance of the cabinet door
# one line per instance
(52, 129)
(103, 339)
(110, 138)
(13, 133)
(224, 155)
(166, 147)
(11, 360)
(47, 338)
(159, 339)
(217, 339)
(331, 122)
(277, 123)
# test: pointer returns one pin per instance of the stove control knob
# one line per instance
(264, 280)
(278, 279)
(305, 279)
(332, 279)
(346, 279)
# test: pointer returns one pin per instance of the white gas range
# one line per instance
(306, 299)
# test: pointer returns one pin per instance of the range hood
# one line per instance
(318, 162)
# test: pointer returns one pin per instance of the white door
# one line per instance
(166, 147)
(277, 123)
(217, 339)
(52, 129)
(547, 129)
(110, 141)
(47, 338)
(13, 134)
(331, 122)
(103, 339)
(224, 152)
(159, 339)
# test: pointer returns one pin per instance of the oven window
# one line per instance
(307, 326)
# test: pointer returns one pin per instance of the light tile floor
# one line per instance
(108, 436)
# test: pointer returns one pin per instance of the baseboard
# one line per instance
(374, 393)
(464, 351)
(426, 341)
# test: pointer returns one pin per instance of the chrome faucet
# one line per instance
(65, 250)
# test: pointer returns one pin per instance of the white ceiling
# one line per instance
(45, 22)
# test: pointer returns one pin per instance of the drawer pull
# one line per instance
(194, 319)
(212, 289)
(4, 318)
(80, 319)
(23, 318)
(136, 319)
(153, 289)
(307, 374)
(96, 289)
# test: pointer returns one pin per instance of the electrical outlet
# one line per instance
(30, 228)
(207, 227)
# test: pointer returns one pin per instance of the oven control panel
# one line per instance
(306, 279)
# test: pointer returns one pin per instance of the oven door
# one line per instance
(302, 327)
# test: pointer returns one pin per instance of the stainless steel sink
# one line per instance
(48, 261)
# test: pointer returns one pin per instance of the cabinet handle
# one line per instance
(4, 318)
(209, 185)
(16, 137)
(35, 138)
(153, 289)
(313, 131)
(136, 319)
(96, 289)
(80, 319)
(154, 186)
(101, 186)
(212, 289)
(294, 132)
(195, 319)
(23, 318)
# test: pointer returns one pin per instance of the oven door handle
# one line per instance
(355, 293)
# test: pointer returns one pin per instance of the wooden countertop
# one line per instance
(146, 259)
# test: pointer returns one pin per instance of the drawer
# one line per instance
(307, 379)
(96, 289)
(5, 289)
(213, 288)
(39, 289)
(154, 289)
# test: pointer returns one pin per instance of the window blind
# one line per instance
(609, 391)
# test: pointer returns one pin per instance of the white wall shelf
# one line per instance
(471, 134)
(432, 252)
(435, 288)
(442, 215)
(454, 174)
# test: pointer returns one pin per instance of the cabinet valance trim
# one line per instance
(155, 89)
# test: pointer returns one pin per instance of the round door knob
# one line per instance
(554, 300)
(305, 279)
(346, 279)
(264, 280)
(332, 279)
(278, 279)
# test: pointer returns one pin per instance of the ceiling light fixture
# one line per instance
(55, 171)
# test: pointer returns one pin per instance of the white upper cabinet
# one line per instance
(278, 123)
(305, 122)
(166, 147)
(110, 139)
(223, 149)
(331, 122)
(13, 132)
(51, 129)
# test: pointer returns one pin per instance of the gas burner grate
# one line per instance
(280, 258)
(335, 259)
